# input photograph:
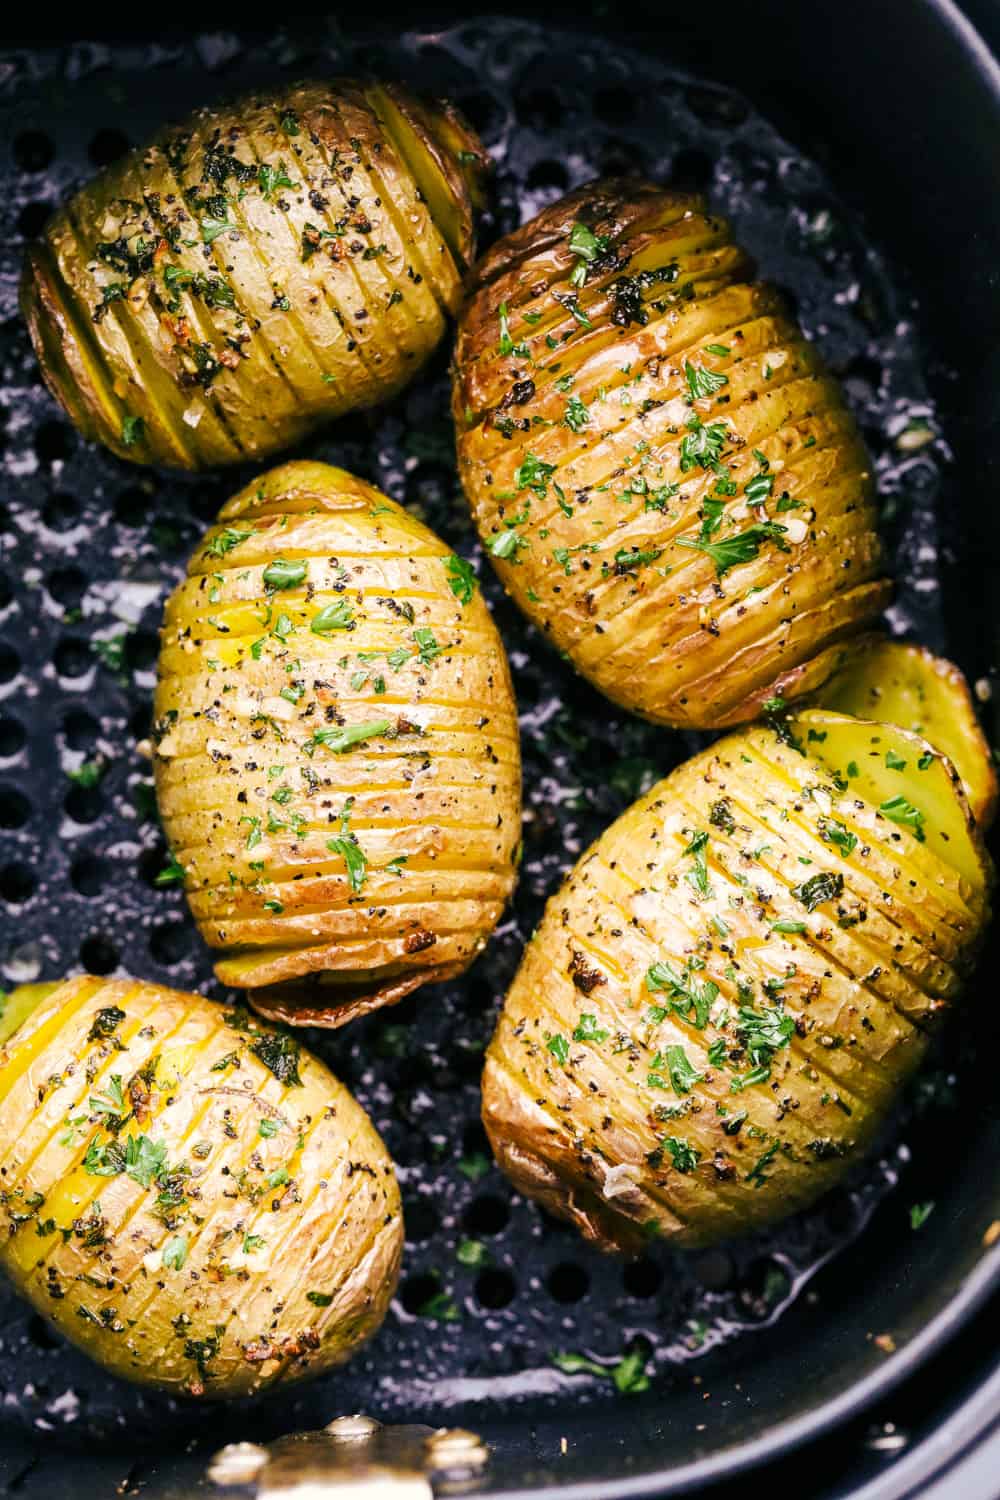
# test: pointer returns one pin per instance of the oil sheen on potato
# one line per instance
(187, 1194)
(336, 748)
(666, 479)
(255, 271)
(722, 1000)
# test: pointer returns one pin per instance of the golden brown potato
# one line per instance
(255, 271)
(665, 477)
(722, 1000)
(899, 682)
(187, 1195)
(336, 747)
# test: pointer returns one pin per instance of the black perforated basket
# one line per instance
(864, 204)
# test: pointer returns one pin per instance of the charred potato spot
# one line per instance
(665, 477)
(336, 748)
(186, 1194)
(718, 1006)
(254, 272)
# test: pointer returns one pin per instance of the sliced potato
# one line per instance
(902, 683)
(336, 748)
(666, 479)
(722, 1000)
(188, 1195)
(266, 266)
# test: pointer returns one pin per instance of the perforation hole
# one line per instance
(32, 150)
(486, 1215)
(98, 955)
(107, 146)
(72, 658)
(60, 512)
(482, 111)
(547, 174)
(12, 737)
(80, 730)
(67, 586)
(421, 1218)
(10, 662)
(54, 441)
(765, 1284)
(417, 1291)
(83, 804)
(141, 650)
(87, 875)
(15, 809)
(495, 1289)
(18, 884)
(615, 105)
(132, 507)
(714, 1269)
(568, 1282)
(692, 170)
(32, 219)
(642, 1277)
(42, 1336)
(169, 943)
(541, 108)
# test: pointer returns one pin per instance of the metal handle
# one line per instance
(354, 1456)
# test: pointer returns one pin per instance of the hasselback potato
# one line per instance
(720, 1003)
(186, 1194)
(336, 747)
(255, 271)
(665, 478)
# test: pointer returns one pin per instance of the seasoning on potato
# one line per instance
(721, 1002)
(256, 271)
(666, 479)
(903, 683)
(187, 1194)
(336, 748)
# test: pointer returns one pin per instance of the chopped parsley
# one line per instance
(282, 574)
(899, 810)
(462, 578)
(826, 885)
(346, 736)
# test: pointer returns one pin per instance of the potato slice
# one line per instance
(910, 782)
(268, 265)
(721, 1002)
(189, 1196)
(902, 683)
(666, 479)
(336, 748)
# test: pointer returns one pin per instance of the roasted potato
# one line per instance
(255, 271)
(720, 1004)
(667, 481)
(899, 682)
(336, 747)
(188, 1196)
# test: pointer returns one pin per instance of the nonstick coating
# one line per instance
(737, 1339)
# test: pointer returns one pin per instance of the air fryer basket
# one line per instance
(888, 254)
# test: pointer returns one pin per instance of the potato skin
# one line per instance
(614, 414)
(254, 272)
(625, 1086)
(315, 610)
(282, 1249)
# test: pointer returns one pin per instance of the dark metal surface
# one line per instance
(740, 1341)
